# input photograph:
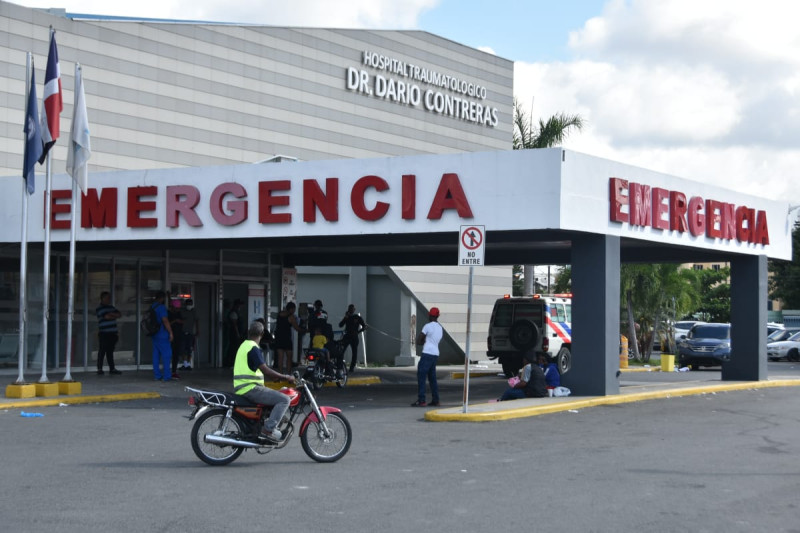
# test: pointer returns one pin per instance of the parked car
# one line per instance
(788, 349)
(542, 323)
(781, 334)
(682, 328)
(706, 344)
(772, 327)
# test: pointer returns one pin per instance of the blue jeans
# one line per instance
(426, 369)
(512, 394)
(162, 355)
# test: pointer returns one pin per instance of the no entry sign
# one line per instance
(471, 245)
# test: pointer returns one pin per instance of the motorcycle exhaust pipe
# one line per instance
(223, 441)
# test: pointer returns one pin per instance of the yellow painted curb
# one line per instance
(46, 389)
(365, 380)
(20, 390)
(474, 374)
(440, 415)
(98, 398)
(69, 387)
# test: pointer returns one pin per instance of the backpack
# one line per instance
(150, 324)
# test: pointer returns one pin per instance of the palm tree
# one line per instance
(548, 134)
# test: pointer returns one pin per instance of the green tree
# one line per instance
(563, 281)
(652, 295)
(516, 280)
(784, 282)
(714, 292)
(546, 134)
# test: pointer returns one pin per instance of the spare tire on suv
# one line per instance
(523, 335)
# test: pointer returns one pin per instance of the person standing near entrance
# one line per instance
(235, 333)
(175, 317)
(107, 333)
(162, 351)
(285, 322)
(353, 325)
(429, 337)
(189, 334)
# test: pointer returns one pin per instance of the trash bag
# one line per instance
(561, 391)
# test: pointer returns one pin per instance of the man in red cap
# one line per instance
(429, 337)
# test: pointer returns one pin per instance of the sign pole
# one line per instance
(466, 355)
(471, 246)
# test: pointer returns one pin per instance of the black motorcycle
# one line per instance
(327, 367)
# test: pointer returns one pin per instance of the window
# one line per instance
(697, 267)
(532, 312)
(714, 267)
(503, 315)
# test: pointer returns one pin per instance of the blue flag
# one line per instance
(33, 136)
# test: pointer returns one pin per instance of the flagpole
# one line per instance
(23, 253)
(52, 106)
(46, 278)
(71, 279)
(78, 153)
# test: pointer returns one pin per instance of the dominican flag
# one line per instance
(33, 137)
(51, 99)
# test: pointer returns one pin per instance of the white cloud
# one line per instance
(704, 90)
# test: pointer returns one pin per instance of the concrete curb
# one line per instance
(357, 381)
(490, 412)
(495, 373)
(75, 400)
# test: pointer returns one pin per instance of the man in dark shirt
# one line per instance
(353, 325)
(531, 383)
(107, 333)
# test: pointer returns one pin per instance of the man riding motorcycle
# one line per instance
(249, 369)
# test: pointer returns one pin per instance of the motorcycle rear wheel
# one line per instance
(212, 422)
(332, 448)
(341, 375)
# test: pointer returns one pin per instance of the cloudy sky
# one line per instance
(707, 90)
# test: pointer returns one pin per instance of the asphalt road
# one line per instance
(719, 462)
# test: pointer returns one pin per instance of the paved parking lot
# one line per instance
(722, 461)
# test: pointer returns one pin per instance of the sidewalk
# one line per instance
(135, 384)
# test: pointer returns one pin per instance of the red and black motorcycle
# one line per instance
(227, 424)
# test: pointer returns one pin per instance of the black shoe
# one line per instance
(352, 369)
(419, 404)
(434, 404)
(100, 372)
(115, 372)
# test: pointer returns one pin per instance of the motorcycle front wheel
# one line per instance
(331, 448)
(215, 422)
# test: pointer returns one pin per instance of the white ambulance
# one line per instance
(542, 323)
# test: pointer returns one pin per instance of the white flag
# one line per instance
(79, 150)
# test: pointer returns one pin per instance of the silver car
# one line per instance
(786, 349)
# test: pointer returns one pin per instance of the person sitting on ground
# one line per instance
(531, 382)
(551, 376)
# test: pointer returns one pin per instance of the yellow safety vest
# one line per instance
(244, 379)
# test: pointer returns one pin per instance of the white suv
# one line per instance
(542, 323)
